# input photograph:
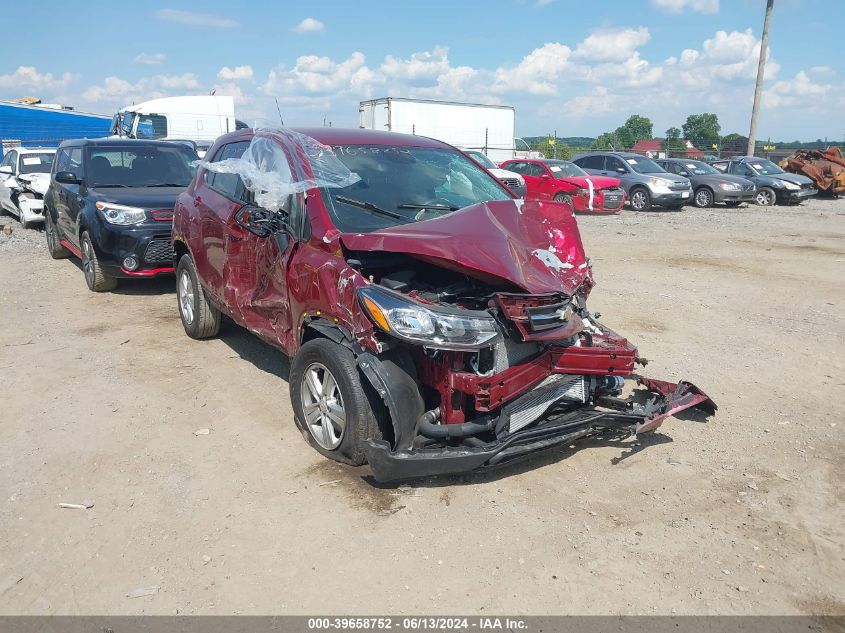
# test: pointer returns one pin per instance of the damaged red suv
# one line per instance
(435, 323)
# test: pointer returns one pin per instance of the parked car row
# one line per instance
(436, 323)
(601, 182)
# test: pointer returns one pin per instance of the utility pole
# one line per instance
(761, 69)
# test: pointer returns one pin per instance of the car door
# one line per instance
(533, 184)
(7, 181)
(74, 200)
(217, 197)
(64, 196)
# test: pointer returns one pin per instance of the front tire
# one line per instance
(97, 280)
(765, 197)
(703, 198)
(564, 199)
(54, 245)
(199, 318)
(332, 407)
(640, 199)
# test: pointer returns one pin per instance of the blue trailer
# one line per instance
(40, 126)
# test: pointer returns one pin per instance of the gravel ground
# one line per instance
(103, 396)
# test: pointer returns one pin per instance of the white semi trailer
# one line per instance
(472, 126)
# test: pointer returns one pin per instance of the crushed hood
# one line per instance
(532, 244)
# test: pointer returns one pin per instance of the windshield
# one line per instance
(400, 185)
(36, 163)
(697, 168)
(483, 160)
(644, 165)
(565, 169)
(765, 167)
(140, 166)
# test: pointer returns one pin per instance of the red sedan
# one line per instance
(563, 181)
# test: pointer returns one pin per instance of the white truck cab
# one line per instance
(194, 118)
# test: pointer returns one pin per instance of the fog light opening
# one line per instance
(130, 263)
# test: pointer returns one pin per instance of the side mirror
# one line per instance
(683, 173)
(68, 178)
(6, 169)
(260, 222)
(545, 177)
(621, 170)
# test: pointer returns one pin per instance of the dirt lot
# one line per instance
(102, 395)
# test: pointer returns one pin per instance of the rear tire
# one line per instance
(640, 199)
(325, 388)
(199, 318)
(97, 280)
(54, 245)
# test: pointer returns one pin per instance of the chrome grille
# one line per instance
(159, 250)
(678, 186)
(554, 388)
(750, 187)
(510, 182)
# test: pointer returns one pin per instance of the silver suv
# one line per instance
(646, 183)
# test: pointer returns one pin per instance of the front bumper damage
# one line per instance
(642, 412)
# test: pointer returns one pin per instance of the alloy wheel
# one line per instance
(87, 265)
(764, 198)
(638, 200)
(185, 289)
(51, 234)
(703, 198)
(322, 406)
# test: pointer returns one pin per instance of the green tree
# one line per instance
(702, 130)
(608, 140)
(639, 128)
(673, 141)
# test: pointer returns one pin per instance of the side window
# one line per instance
(535, 170)
(229, 185)
(75, 161)
(672, 168)
(720, 166)
(69, 159)
(518, 168)
(612, 164)
(11, 160)
(591, 162)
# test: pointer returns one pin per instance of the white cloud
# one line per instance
(611, 45)
(235, 74)
(821, 70)
(116, 92)
(29, 77)
(193, 18)
(537, 73)
(309, 25)
(725, 57)
(313, 74)
(677, 6)
(150, 59)
(598, 101)
(798, 91)
(421, 65)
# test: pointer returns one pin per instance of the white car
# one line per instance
(24, 178)
(510, 179)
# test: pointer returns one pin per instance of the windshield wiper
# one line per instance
(166, 184)
(369, 206)
(114, 184)
(427, 206)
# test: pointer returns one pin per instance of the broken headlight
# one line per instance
(413, 322)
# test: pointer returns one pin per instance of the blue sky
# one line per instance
(579, 67)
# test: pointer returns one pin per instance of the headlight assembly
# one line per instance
(660, 185)
(429, 326)
(791, 185)
(729, 186)
(120, 214)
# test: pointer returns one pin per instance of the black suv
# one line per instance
(110, 203)
(773, 184)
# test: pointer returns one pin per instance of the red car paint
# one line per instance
(529, 252)
(544, 182)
